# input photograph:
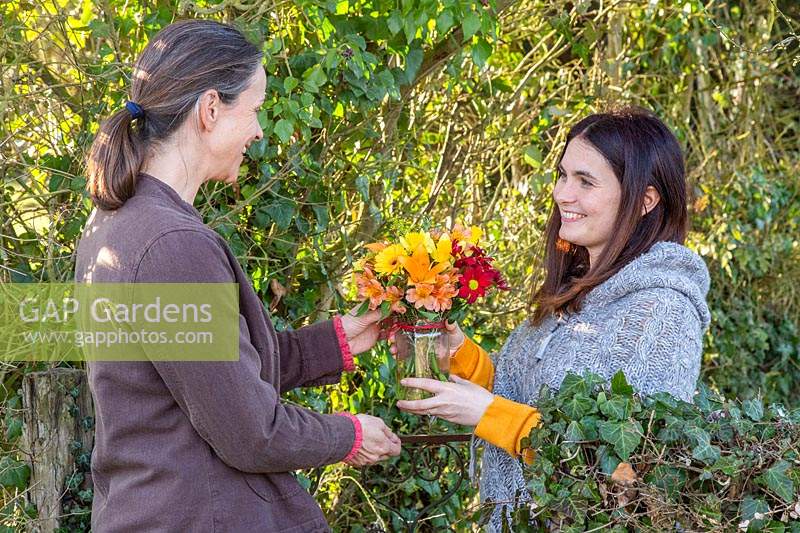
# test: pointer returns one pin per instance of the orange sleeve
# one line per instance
(471, 362)
(506, 423)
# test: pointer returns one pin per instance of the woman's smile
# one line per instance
(571, 216)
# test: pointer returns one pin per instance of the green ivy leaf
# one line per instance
(624, 436)
(778, 482)
(282, 211)
(13, 428)
(754, 409)
(668, 478)
(314, 78)
(532, 156)
(572, 384)
(574, 433)
(395, 22)
(578, 406)
(619, 385)
(607, 461)
(617, 408)
(748, 509)
(703, 450)
(13, 473)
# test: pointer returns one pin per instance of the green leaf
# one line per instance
(290, 83)
(748, 509)
(754, 409)
(618, 408)
(284, 130)
(574, 432)
(13, 473)
(668, 478)
(619, 385)
(314, 78)
(363, 308)
(481, 52)
(578, 406)
(776, 480)
(13, 428)
(282, 211)
(572, 384)
(444, 21)
(607, 461)
(471, 24)
(395, 22)
(624, 436)
(532, 156)
(703, 450)
(413, 62)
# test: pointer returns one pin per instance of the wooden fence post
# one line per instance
(58, 427)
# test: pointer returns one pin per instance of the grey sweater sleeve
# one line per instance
(658, 343)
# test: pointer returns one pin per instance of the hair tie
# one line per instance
(134, 109)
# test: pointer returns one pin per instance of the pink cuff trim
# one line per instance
(344, 347)
(359, 436)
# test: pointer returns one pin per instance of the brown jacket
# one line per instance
(203, 446)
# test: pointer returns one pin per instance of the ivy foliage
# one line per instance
(609, 458)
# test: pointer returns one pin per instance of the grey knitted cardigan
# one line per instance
(647, 320)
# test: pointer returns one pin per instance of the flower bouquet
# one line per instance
(421, 281)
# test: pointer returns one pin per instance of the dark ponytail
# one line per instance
(178, 65)
(115, 160)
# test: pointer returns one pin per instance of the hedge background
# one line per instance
(383, 110)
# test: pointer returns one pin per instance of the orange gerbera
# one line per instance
(369, 288)
(419, 267)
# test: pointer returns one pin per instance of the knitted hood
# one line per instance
(666, 265)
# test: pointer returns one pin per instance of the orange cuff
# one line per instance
(471, 362)
(506, 423)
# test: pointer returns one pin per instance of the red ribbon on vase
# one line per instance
(391, 325)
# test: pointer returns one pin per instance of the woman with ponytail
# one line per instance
(204, 446)
(620, 292)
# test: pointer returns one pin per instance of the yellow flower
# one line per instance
(471, 235)
(415, 239)
(387, 262)
(443, 250)
(475, 235)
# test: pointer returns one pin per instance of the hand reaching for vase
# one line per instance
(461, 402)
(378, 442)
(362, 332)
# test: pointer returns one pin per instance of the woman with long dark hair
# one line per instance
(620, 292)
(202, 446)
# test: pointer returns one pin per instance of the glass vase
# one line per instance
(423, 351)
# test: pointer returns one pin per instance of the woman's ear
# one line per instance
(208, 110)
(651, 199)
